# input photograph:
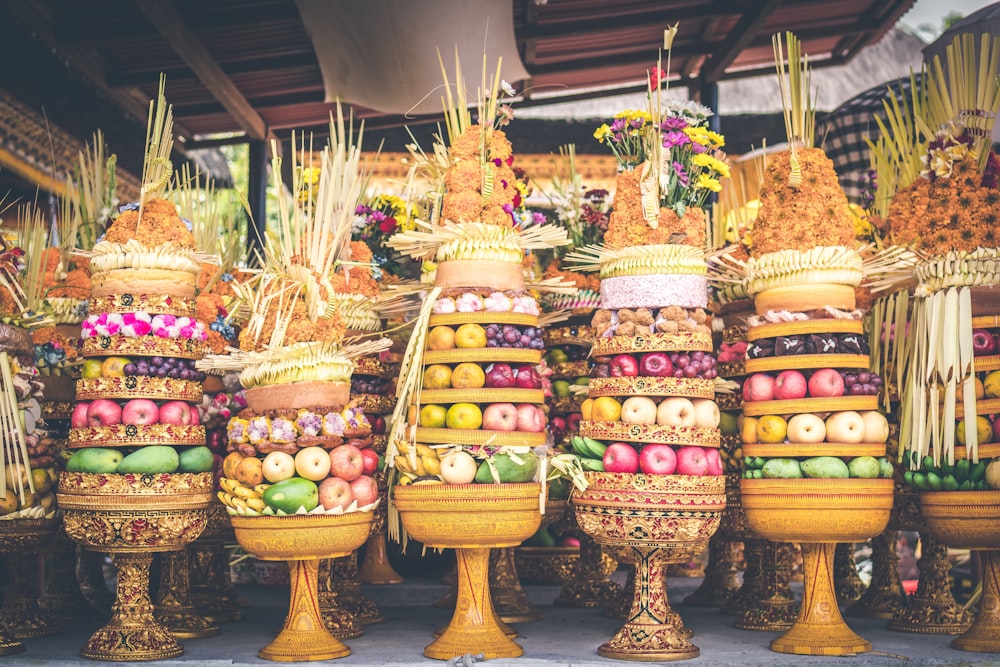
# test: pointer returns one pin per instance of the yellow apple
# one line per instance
(771, 429)
(91, 368)
(470, 336)
(468, 375)
(114, 367)
(984, 430)
(437, 376)
(748, 430)
(40, 478)
(8, 502)
(464, 416)
(433, 416)
(991, 385)
(606, 409)
(441, 338)
(586, 409)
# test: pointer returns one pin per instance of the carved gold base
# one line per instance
(350, 598)
(884, 597)
(132, 634)
(984, 634)
(720, 580)
(932, 609)
(61, 596)
(174, 608)
(509, 599)
(474, 627)
(336, 620)
(375, 568)
(819, 628)
(589, 586)
(21, 617)
(212, 590)
(765, 603)
(846, 581)
(653, 631)
(303, 638)
(90, 574)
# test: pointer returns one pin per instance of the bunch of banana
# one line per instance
(239, 497)
(823, 264)
(731, 459)
(590, 452)
(425, 462)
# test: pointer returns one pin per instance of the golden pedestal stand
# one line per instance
(970, 519)
(20, 616)
(174, 608)
(818, 513)
(132, 517)
(472, 519)
(303, 540)
(212, 589)
(653, 520)
(61, 594)
(846, 581)
(337, 621)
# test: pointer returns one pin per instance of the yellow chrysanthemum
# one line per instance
(698, 135)
(708, 183)
(710, 162)
(715, 139)
(602, 133)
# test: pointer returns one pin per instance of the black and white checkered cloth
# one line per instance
(843, 131)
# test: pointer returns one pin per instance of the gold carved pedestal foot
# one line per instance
(336, 620)
(90, 574)
(932, 609)
(212, 590)
(174, 608)
(846, 581)
(350, 597)
(589, 586)
(984, 634)
(473, 627)
(61, 595)
(884, 597)
(304, 637)
(652, 631)
(132, 634)
(819, 628)
(720, 580)
(765, 603)
(509, 599)
(376, 568)
(20, 616)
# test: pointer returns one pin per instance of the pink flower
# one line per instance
(128, 318)
(656, 75)
(187, 332)
(142, 328)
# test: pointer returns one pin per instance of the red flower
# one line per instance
(387, 226)
(656, 75)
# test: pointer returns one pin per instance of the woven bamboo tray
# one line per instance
(132, 435)
(680, 342)
(796, 361)
(483, 355)
(798, 405)
(986, 450)
(805, 449)
(460, 436)
(990, 363)
(132, 386)
(665, 435)
(652, 386)
(987, 406)
(986, 322)
(804, 327)
(482, 396)
(483, 317)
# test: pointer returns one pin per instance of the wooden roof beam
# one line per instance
(742, 34)
(192, 51)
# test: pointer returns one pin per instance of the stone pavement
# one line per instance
(564, 638)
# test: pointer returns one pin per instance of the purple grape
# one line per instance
(876, 381)
(156, 361)
(696, 365)
(678, 372)
(850, 378)
(868, 389)
(856, 389)
(142, 368)
(490, 342)
(864, 377)
(161, 372)
(673, 357)
(525, 340)
(185, 374)
(682, 361)
(697, 356)
(690, 371)
(511, 335)
(710, 374)
(129, 369)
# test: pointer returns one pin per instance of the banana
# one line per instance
(432, 464)
(261, 488)
(256, 504)
(228, 485)
(239, 504)
(424, 450)
(596, 447)
(227, 499)
(593, 465)
(402, 463)
(245, 492)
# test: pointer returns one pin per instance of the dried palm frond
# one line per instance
(14, 454)
(895, 155)
(32, 239)
(156, 165)
(91, 190)
(796, 104)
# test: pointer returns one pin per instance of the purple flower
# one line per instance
(682, 176)
(675, 138)
(538, 218)
(698, 148)
(673, 123)
(617, 125)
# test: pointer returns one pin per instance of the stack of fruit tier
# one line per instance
(479, 386)
(567, 352)
(137, 402)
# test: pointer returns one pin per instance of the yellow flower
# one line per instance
(715, 139)
(602, 133)
(698, 135)
(711, 162)
(708, 183)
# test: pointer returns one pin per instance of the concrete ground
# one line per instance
(564, 638)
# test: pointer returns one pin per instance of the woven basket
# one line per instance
(483, 355)
(797, 361)
(482, 396)
(130, 386)
(800, 327)
(483, 317)
(132, 435)
(142, 346)
(652, 386)
(680, 342)
(990, 363)
(987, 406)
(803, 449)
(460, 436)
(797, 405)
(666, 435)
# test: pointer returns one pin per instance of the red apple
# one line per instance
(140, 411)
(656, 459)
(996, 427)
(499, 376)
(378, 425)
(365, 490)
(656, 364)
(983, 342)
(79, 417)
(758, 387)
(500, 417)
(557, 423)
(691, 460)
(826, 382)
(335, 492)
(216, 440)
(371, 460)
(527, 377)
(177, 413)
(346, 462)
(195, 414)
(789, 384)
(624, 365)
(714, 462)
(573, 421)
(530, 418)
(621, 457)
(104, 412)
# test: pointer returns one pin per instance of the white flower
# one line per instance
(507, 88)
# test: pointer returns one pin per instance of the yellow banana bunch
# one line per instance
(240, 497)
(429, 459)
(426, 461)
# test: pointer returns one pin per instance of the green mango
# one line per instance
(290, 494)
(509, 471)
(559, 488)
(885, 469)
(151, 460)
(94, 460)
(826, 467)
(196, 459)
(865, 467)
(781, 469)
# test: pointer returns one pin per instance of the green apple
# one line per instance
(582, 381)
(728, 422)
(91, 368)
(556, 356)
(560, 388)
